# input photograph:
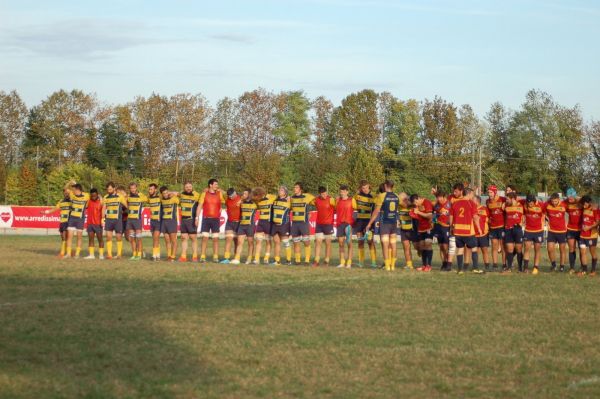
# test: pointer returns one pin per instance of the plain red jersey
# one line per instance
(344, 209)
(496, 212)
(234, 209)
(556, 217)
(424, 223)
(463, 211)
(442, 212)
(513, 215)
(94, 212)
(211, 204)
(589, 217)
(534, 218)
(574, 212)
(484, 215)
(325, 209)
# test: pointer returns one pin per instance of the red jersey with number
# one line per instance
(462, 213)
(496, 212)
(556, 217)
(234, 209)
(484, 215)
(94, 212)
(574, 212)
(442, 212)
(589, 217)
(513, 215)
(325, 209)
(344, 209)
(211, 204)
(534, 218)
(424, 223)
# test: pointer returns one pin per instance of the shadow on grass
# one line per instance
(115, 346)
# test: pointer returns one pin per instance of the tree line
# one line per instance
(265, 139)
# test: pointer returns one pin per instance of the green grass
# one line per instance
(147, 329)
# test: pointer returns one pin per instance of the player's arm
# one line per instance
(376, 210)
(428, 214)
(51, 210)
(476, 218)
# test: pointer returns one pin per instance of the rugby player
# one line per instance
(464, 225)
(423, 212)
(590, 220)
(573, 226)
(344, 210)
(441, 230)
(113, 209)
(154, 202)
(495, 205)
(168, 221)
(233, 207)
(405, 229)
(300, 230)
(513, 231)
(280, 228)
(94, 224)
(133, 228)
(365, 202)
(555, 211)
(246, 227)
(64, 205)
(386, 206)
(325, 206)
(211, 201)
(534, 231)
(79, 201)
(264, 204)
(482, 237)
(188, 206)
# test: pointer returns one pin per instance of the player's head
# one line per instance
(66, 192)
(110, 187)
(416, 200)
(344, 191)
(511, 188)
(77, 188)
(188, 187)
(94, 194)
(403, 198)
(492, 191)
(531, 199)
(121, 190)
(381, 188)
(258, 193)
(231, 192)
(322, 191)
(555, 199)
(283, 191)
(389, 185)
(152, 189)
(440, 195)
(213, 184)
(511, 198)
(469, 193)
(246, 194)
(133, 188)
(364, 186)
(571, 194)
(164, 191)
(586, 201)
(298, 188)
(477, 199)
(458, 190)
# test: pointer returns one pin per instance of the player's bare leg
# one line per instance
(184, 246)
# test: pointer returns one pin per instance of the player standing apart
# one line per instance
(64, 205)
(387, 205)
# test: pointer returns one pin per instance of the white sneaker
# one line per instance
(255, 262)
(67, 256)
(101, 257)
(90, 257)
(340, 266)
(348, 266)
(235, 262)
(248, 261)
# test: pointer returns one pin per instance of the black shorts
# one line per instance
(465, 241)
(573, 235)
(360, 226)
(115, 225)
(442, 234)
(408, 235)
(514, 235)
(483, 241)
(155, 226)
(325, 229)
(387, 229)
(246, 230)
(497, 233)
(263, 226)
(188, 226)
(536, 237)
(63, 227)
(560, 238)
(168, 226)
(133, 224)
(210, 225)
(588, 242)
(425, 235)
(282, 230)
(300, 229)
(232, 226)
(75, 224)
(94, 228)
(341, 230)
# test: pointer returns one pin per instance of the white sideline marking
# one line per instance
(133, 293)
(586, 381)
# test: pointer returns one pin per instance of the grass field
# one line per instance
(148, 329)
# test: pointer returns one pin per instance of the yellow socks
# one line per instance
(317, 259)
(77, 251)
(288, 254)
(361, 255)
(373, 255)
(342, 260)
(227, 255)
(63, 247)
(109, 248)
(101, 252)
(297, 257)
(387, 264)
(266, 258)
(277, 259)
(326, 260)
(156, 252)
(215, 258)
(349, 263)
(91, 251)
(409, 263)
(393, 264)
(307, 253)
(119, 248)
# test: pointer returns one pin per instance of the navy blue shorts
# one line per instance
(408, 235)
(75, 224)
(263, 226)
(133, 224)
(483, 241)
(300, 229)
(442, 234)
(94, 228)
(188, 226)
(341, 230)
(536, 237)
(387, 229)
(325, 229)
(246, 230)
(281, 230)
(425, 235)
(168, 226)
(573, 235)
(115, 225)
(588, 242)
(465, 241)
(210, 225)
(497, 234)
(514, 235)
(155, 226)
(560, 238)
(63, 227)
(360, 226)
(232, 226)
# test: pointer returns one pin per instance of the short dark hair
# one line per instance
(344, 187)
(162, 189)
(586, 199)
(413, 198)
(77, 186)
(363, 182)
(299, 184)
(512, 187)
(187, 182)
(212, 181)
(110, 184)
(153, 185)
(530, 198)
(230, 191)
(389, 183)
(512, 195)
(440, 193)
(132, 184)
(555, 196)
(458, 186)
(94, 191)
(322, 189)
(382, 188)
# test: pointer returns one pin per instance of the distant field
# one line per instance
(147, 329)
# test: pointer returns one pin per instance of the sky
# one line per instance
(474, 52)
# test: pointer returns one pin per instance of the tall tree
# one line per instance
(356, 122)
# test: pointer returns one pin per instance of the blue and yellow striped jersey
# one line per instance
(114, 204)
(388, 202)
(247, 210)
(365, 203)
(78, 205)
(168, 208)
(154, 204)
(188, 202)
(299, 206)
(135, 205)
(65, 209)
(281, 211)
(264, 207)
